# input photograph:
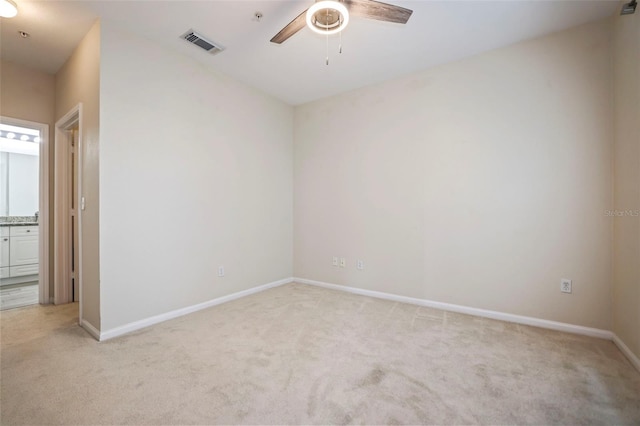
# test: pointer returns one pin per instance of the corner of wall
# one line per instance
(78, 81)
(626, 191)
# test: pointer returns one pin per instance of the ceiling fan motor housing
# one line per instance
(332, 16)
(327, 17)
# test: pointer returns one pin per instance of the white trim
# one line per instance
(43, 218)
(62, 243)
(137, 325)
(43, 203)
(635, 361)
(519, 319)
(536, 322)
(90, 329)
(79, 211)
(61, 246)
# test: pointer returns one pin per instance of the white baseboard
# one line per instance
(536, 322)
(90, 329)
(519, 319)
(137, 325)
(635, 361)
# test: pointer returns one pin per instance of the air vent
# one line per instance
(195, 38)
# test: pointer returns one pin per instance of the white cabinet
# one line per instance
(20, 271)
(23, 250)
(18, 231)
(4, 251)
(19, 255)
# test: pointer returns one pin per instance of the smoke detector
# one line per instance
(200, 41)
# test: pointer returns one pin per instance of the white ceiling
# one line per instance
(373, 51)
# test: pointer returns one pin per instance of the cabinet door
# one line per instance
(19, 231)
(24, 250)
(4, 251)
(21, 271)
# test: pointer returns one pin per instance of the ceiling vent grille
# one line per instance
(195, 38)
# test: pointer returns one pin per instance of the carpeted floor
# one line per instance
(297, 355)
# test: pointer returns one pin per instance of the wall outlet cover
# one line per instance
(565, 285)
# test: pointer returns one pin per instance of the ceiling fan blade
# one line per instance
(292, 27)
(377, 10)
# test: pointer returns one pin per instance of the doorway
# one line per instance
(74, 138)
(68, 209)
(24, 213)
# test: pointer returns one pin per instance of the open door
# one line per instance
(68, 210)
(73, 212)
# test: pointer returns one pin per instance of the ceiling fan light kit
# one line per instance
(332, 16)
(327, 17)
(8, 9)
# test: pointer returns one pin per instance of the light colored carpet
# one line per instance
(298, 355)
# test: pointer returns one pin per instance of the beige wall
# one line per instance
(78, 81)
(481, 182)
(626, 228)
(29, 94)
(195, 172)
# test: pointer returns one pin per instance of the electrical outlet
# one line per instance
(221, 271)
(335, 261)
(360, 265)
(343, 262)
(565, 285)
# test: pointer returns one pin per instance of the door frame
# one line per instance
(43, 203)
(62, 230)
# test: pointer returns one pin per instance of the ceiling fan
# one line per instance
(331, 17)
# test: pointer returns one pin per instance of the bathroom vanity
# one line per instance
(18, 252)
(19, 199)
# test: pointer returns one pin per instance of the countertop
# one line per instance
(18, 221)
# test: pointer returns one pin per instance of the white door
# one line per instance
(75, 244)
